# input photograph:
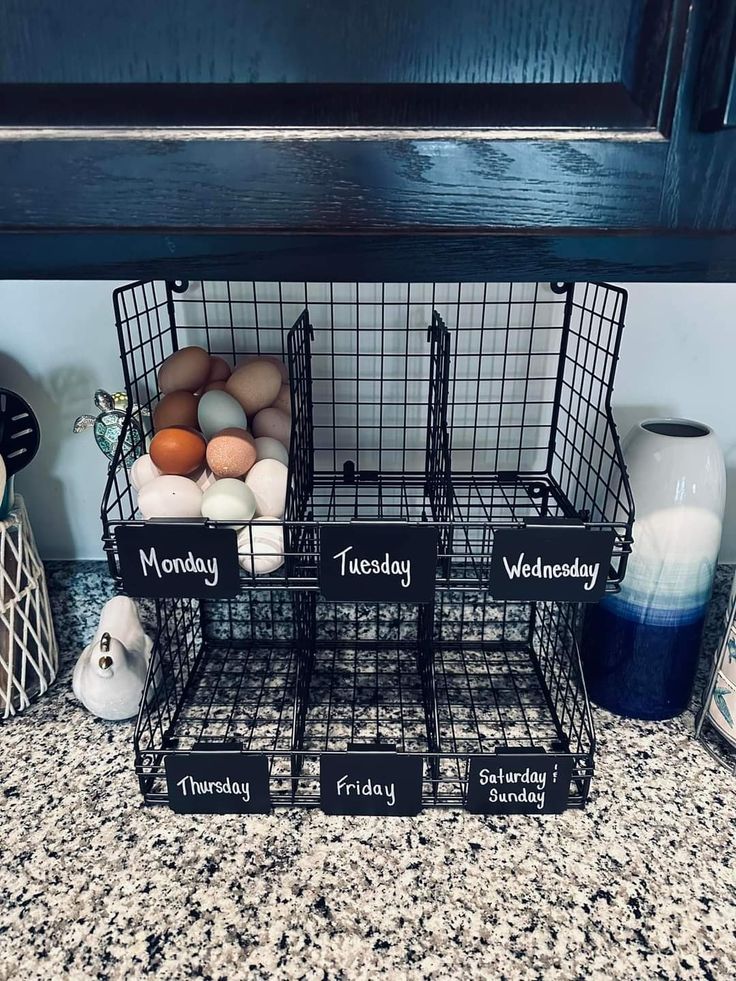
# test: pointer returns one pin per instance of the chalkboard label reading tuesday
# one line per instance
(385, 562)
(213, 782)
(173, 560)
(519, 783)
(550, 562)
(368, 781)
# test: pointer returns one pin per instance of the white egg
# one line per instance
(261, 550)
(268, 448)
(228, 499)
(219, 410)
(170, 497)
(143, 471)
(267, 479)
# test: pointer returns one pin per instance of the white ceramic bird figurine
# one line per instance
(110, 674)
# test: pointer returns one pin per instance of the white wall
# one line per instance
(58, 345)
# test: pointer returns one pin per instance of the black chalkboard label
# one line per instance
(550, 562)
(213, 782)
(519, 783)
(364, 782)
(389, 562)
(183, 559)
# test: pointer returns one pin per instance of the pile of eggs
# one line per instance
(220, 449)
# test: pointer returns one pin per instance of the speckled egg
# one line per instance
(279, 362)
(170, 497)
(255, 385)
(267, 479)
(228, 500)
(231, 453)
(176, 409)
(273, 423)
(283, 400)
(218, 411)
(268, 448)
(186, 369)
(178, 451)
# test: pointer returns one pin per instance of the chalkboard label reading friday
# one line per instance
(370, 780)
(183, 559)
(519, 783)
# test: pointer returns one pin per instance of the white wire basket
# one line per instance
(29, 657)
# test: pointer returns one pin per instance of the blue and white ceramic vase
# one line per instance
(640, 646)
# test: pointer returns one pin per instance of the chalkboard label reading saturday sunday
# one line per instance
(370, 781)
(384, 562)
(184, 559)
(555, 561)
(519, 783)
(217, 782)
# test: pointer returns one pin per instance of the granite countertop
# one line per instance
(642, 883)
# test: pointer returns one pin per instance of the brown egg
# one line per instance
(231, 453)
(273, 359)
(274, 423)
(255, 385)
(187, 369)
(216, 386)
(283, 400)
(220, 370)
(176, 409)
(178, 451)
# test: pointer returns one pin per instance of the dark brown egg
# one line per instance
(176, 409)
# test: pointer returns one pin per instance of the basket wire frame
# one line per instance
(470, 407)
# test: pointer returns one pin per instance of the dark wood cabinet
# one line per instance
(480, 139)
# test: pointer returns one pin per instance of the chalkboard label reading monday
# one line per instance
(217, 782)
(172, 560)
(371, 781)
(371, 561)
(519, 783)
(550, 562)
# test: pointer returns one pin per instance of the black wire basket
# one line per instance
(291, 678)
(470, 409)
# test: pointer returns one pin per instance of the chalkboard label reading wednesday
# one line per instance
(370, 780)
(385, 562)
(217, 782)
(550, 562)
(519, 783)
(183, 559)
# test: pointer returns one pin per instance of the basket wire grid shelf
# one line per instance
(293, 677)
(470, 407)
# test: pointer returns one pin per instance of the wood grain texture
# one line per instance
(337, 185)
(700, 179)
(552, 256)
(326, 41)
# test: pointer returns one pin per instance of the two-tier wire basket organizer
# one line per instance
(467, 408)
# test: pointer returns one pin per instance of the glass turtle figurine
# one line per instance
(108, 426)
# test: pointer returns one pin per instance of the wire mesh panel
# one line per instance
(471, 407)
(294, 678)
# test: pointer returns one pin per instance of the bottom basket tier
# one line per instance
(295, 701)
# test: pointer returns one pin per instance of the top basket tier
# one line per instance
(471, 407)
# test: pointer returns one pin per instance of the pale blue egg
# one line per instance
(217, 411)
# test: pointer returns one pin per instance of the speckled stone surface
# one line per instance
(95, 885)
